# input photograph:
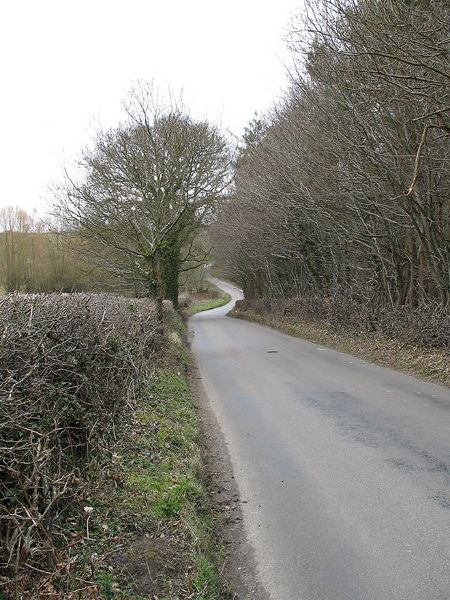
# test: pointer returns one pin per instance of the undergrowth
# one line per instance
(427, 363)
(131, 520)
(71, 368)
(161, 505)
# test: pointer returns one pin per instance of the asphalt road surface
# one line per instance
(343, 467)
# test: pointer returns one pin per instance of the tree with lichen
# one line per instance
(146, 188)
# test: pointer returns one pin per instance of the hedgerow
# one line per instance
(70, 366)
(426, 326)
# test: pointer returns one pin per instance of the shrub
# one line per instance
(426, 326)
(69, 367)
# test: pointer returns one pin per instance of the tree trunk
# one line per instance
(155, 288)
(170, 271)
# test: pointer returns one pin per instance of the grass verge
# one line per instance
(152, 523)
(427, 364)
(208, 304)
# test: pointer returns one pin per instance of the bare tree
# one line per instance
(345, 189)
(146, 188)
(17, 242)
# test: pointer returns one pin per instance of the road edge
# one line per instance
(240, 567)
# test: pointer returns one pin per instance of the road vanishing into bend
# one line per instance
(343, 467)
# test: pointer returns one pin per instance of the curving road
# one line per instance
(343, 467)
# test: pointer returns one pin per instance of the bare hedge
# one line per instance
(69, 367)
(427, 326)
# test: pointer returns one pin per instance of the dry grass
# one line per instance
(429, 364)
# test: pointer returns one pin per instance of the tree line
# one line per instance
(35, 257)
(343, 189)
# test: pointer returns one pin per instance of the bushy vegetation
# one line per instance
(426, 326)
(416, 342)
(161, 506)
(70, 366)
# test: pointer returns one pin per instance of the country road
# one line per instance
(343, 467)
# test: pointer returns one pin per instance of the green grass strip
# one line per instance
(209, 304)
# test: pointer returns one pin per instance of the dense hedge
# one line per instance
(69, 367)
(427, 326)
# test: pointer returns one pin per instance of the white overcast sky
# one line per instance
(66, 66)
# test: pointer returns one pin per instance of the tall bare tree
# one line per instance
(146, 188)
(345, 190)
